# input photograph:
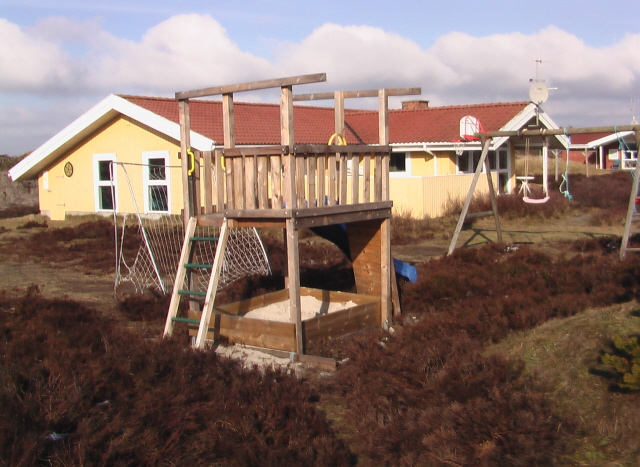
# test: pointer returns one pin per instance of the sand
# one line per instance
(311, 307)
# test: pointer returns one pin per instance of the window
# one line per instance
(398, 162)
(104, 177)
(156, 181)
(468, 161)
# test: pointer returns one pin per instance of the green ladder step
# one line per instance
(185, 320)
(198, 266)
(203, 239)
(192, 292)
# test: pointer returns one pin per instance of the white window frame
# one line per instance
(97, 183)
(407, 165)
(147, 182)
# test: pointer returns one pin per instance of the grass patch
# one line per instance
(565, 352)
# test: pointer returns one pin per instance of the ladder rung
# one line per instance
(192, 292)
(203, 239)
(631, 249)
(185, 320)
(198, 266)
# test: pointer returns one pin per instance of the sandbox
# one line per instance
(263, 321)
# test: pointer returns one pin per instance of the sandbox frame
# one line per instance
(228, 320)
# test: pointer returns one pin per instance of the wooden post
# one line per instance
(492, 196)
(467, 201)
(632, 202)
(185, 145)
(293, 266)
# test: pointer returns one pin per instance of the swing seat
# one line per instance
(526, 199)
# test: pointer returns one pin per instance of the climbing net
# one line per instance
(148, 245)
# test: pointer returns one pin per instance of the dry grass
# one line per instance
(565, 353)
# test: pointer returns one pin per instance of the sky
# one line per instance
(58, 58)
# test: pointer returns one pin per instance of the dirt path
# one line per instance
(545, 233)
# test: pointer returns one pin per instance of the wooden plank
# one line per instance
(365, 242)
(253, 86)
(208, 181)
(299, 176)
(263, 182)
(275, 164)
(238, 183)
(492, 197)
(256, 151)
(631, 207)
(213, 286)
(311, 183)
(354, 94)
(341, 323)
(185, 144)
(333, 180)
(467, 201)
(228, 121)
(229, 184)
(336, 295)
(293, 267)
(377, 179)
(385, 273)
(567, 131)
(321, 170)
(328, 210)
(220, 180)
(287, 139)
(180, 277)
(321, 363)
(335, 148)
(342, 179)
(250, 180)
(308, 222)
(355, 179)
(366, 178)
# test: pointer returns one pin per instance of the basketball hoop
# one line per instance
(469, 126)
(459, 148)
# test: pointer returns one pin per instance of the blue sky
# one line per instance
(59, 58)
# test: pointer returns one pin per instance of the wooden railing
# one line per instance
(298, 176)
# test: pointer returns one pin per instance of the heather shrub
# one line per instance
(77, 389)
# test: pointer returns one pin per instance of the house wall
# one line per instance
(128, 139)
(431, 196)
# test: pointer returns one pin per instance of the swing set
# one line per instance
(564, 186)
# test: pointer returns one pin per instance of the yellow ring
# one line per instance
(193, 162)
(341, 140)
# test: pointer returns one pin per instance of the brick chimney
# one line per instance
(415, 105)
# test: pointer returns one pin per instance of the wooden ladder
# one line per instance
(632, 215)
(184, 268)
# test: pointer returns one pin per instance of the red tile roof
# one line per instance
(260, 123)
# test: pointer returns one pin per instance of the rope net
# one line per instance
(149, 240)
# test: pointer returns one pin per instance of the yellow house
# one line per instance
(124, 152)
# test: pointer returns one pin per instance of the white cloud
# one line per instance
(32, 65)
(62, 58)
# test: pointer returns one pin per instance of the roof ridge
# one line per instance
(464, 106)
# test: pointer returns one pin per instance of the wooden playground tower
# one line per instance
(288, 186)
(631, 217)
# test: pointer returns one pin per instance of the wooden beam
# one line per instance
(185, 144)
(560, 131)
(321, 96)
(253, 86)
(467, 201)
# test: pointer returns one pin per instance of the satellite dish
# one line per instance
(538, 93)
